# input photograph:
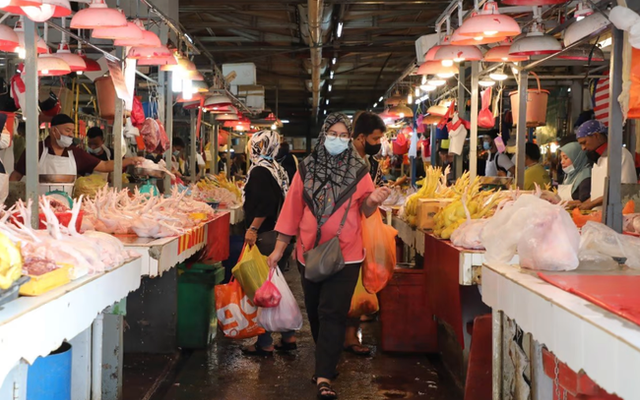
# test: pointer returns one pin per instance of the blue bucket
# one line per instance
(49, 378)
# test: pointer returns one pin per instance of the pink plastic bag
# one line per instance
(268, 295)
(485, 116)
(150, 134)
(163, 139)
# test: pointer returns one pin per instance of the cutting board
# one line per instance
(618, 294)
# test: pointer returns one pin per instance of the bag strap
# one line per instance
(319, 232)
(344, 217)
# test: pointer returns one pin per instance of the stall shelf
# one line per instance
(32, 327)
(236, 214)
(580, 334)
(405, 232)
(160, 255)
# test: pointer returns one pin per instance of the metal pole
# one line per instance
(523, 82)
(434, 149)
(473, 139)
(461, 113)
(612, 204)
(194, 134)
(214, 148)
(168, 123)
(229, 155)
(117, 136)
(31, 114)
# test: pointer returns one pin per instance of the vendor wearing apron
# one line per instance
(97, 148)
(592, 136)
(5, 142)
(498, 164)
(61, 158)
(576, 186)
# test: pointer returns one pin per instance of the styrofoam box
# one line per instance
(246, 73)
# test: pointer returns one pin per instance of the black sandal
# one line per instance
(326, 392)
(285, 346)
(259, 351)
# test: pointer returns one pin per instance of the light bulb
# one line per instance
(381, 98)
(339, 29)
(447, 63)
(45, 72)
(274, 127)
(417, 92)
(427, 88)
(330, 87)
(79, 73)
(187, 89)
(424, 79)
(579, 17)
(22, 53)
(4, 3)
(375, 105)
(490, 33)
(409, 99)
(436, 82)
(498, 76)
(458, 60)
(327, 102)
(325, 112)
(478, 38)
(486, 83)
(445, 75)
(401, 115)
(176, 83)
(334, 61)
(331, 75)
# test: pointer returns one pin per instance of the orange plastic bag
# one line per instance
(379, 241)
(634, 90)
(362, 302)
(237, 316)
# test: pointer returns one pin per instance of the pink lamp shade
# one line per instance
(489, 23)
(171, 60)
(535, 43)
(52, 66)
(435, 68)
(458, 39)
(131, 31)
(459, 53)
(41, 45)
(501, 54)
(42, 12)
(20, 3)
(149, 39)
(583, 53)
(532, 2)
(8, 39)
(98, 15)
(74, 61)
(92, 65)
(139, 53)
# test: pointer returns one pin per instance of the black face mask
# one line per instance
(372, 149)
(593, 156)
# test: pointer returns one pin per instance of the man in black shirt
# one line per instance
(96, 146)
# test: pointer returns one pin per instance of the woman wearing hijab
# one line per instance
(576, 187)
(327, 198)
(264, 193)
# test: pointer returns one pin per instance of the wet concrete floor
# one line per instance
(223, 373)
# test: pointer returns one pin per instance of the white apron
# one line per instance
(4, 186)
(598, 177)
(51, 164)
(491, 167)
(565, 192)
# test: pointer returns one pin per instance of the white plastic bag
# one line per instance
(468, 235)
(543, 235)
(598, 238)
(286, 316)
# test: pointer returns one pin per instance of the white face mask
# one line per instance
(64, 141)
(336, 145)
(569, 169)
(5, 141)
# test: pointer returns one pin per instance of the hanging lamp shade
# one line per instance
(458, 53)
(227, 117)
(535, 43)
(52, 66)
(584, 52)
(221, 109)
(430, 55)
(200, 86)
(18, 3)
(42, 47)
(130, 31)
(8, 39)
(92, 65)
(401, 111)
(98, 15)
(139, 53)
(458, 39)
(170, 60)
(394, 100)
(196, 98)
(501, 54)
(590, 25)
(532, 2)
(43, 11)
(74, 61)
(149, 39)
(489, 23)
(217, 101)
(436, 68)
(182, 64)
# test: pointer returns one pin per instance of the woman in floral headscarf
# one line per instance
(331, 183)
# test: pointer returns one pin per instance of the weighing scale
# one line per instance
(149, 178)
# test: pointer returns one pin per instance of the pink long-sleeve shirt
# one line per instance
(296, 219)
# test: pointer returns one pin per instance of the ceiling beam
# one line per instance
(346, 49)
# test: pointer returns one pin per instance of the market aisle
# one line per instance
(223, 373)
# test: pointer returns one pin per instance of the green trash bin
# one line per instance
(197, 319)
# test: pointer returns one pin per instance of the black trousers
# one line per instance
(328, 304)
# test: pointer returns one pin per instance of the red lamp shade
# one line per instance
(535, 43)
(436, 68)
(458, 53)
(149, 39)
(52, 66)
(171, 60)
(139, 53)
(489, 23)
(20, 3)
(130, 31)
(458, 39)
(74, 61)
(583, 53)
(501, 54)
(98, 15)
(92, 65)
(8, 39)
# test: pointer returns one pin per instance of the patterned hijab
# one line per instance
(329, 181)
(264, 148)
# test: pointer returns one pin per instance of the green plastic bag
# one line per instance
(251, 271)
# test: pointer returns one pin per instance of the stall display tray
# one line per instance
(43, 283)
(617, 294)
